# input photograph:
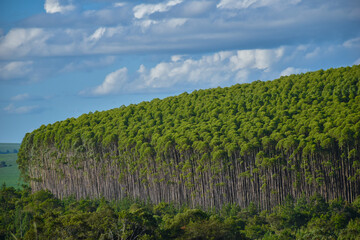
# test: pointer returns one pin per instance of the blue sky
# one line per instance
(63, 58)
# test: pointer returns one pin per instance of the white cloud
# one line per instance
(313, 54)
(16, 69)
(258, 58)
(163, 26)
(176, 22)
(221, 68)
(20, 42)
(53, 6)
(357, 62)
(20, 97)
(176, 58)
(86, 33)
(243, 4)
(213, 70)
(119, 4)
(102, 31)
(235, 3)
(143, 10)
(145, 24)
(113, 83)
(11, 108)
(352, 43)
(97, 34)
(18, 36)
(195, 8)
(291, 70)
(141, 69)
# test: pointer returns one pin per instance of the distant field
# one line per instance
(9, 147)
(10, 174)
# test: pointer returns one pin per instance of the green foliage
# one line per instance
(295, 134)
(41, 215)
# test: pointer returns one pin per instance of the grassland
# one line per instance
(10, 174)
(9, 147)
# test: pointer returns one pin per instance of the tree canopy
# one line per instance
(41, 215)
(247, 143)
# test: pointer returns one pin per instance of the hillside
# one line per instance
(257, 142)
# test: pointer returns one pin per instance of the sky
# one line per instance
(63, 58)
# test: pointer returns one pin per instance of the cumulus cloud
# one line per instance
(54, 6)
(20, 42)
(211, 70)
(11, 108)
(16, 69)
(143, 10)
(226, 67)
(291, 70)
(243, 4)
(183, 72)
(113, 83)
(258, 58)
(176, 58)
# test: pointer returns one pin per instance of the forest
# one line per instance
(256, 143)
(40, 215)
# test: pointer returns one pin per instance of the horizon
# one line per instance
(62, 58)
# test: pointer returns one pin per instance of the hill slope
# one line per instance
(257, 142)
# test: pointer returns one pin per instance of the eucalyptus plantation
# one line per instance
(258, 142)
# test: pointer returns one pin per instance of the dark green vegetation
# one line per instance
(9, 172)
(258, 142)
(6, 148)
(42, 216)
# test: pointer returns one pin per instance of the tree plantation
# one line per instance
(249, 143)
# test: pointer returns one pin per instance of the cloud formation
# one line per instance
(243, 4)
(291, 70)
(225, 67)
(16, 69)
(183, 72)
(352, 43)
(11, 108)
(21, 97)
(177, 26)
(97, 34)
(143, 10)
(20, 42)
(112, 83)
(54, 6)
